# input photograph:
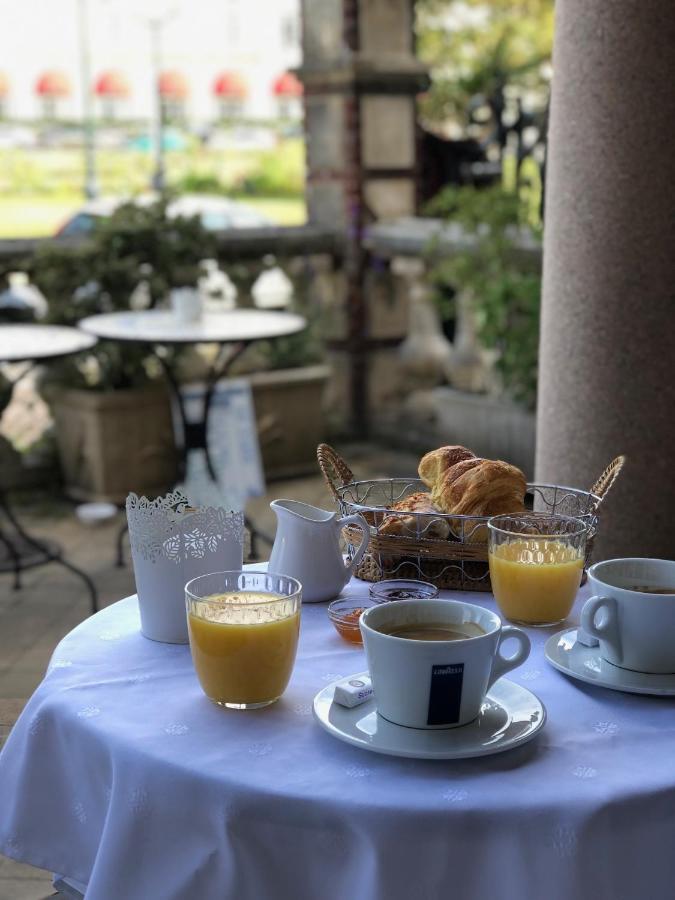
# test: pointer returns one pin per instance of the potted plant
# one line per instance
(110, 406)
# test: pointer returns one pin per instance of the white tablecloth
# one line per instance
(121, 774)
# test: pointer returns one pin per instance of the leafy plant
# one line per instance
(498, 274)
(474, 48)
(133, 258)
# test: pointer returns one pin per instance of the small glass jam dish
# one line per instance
(345, 613)
(402, 589)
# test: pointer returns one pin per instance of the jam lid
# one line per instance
(402, 589)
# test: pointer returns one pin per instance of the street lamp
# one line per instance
(90, 183)
(159, 176)
(155, 25)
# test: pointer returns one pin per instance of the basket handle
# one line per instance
(603, 484)
(334, 469)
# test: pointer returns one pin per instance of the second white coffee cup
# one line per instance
(633, 613)
(436, 683)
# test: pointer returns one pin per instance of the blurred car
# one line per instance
(16, 136)
(272, 290)
(171, 140)
(241, 138)
(216, 213)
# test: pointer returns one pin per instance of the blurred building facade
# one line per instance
(257, 41)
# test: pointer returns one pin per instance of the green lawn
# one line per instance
(40, 188)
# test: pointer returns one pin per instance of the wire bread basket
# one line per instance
(459, 559)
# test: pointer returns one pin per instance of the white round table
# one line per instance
(234, 330)
(120, 774)
(159, 326)
(31, 345)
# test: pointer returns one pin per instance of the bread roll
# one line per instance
(434, 464)
(417, 525)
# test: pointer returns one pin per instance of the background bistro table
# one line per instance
(233, 330)
(27, 346)
(121, 774)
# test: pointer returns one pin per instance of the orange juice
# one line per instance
(244, 652)
(535, 580)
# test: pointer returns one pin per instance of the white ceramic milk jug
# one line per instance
(307, 547)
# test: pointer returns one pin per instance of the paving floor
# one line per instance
(52, 601)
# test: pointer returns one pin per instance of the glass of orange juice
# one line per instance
(536, 564)
(243, 629)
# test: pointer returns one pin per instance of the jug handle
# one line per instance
(361, 523)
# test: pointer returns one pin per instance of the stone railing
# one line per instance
(430, 389)
(309, 257)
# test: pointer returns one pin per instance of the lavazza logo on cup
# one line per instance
(445, 694)
(433, 661)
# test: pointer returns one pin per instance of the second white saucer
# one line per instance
(586, 664)
(510, 716)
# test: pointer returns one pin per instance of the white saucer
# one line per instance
(586, 664)
(510, 716)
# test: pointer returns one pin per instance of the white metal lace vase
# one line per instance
(172, 542)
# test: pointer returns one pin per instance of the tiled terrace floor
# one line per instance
(52, 601)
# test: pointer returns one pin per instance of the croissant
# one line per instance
(476, 487)
(435, 463)
(417, 525)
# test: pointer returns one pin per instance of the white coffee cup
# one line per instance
(436, 684)
(636, 629)
(186, 304)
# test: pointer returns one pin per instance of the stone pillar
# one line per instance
(360, 81)
(607, 354)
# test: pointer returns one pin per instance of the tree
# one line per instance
(476, 47)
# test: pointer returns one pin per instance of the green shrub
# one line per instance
(501, 280)
(201, 183)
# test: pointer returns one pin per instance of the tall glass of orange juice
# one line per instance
(243, 629)
(536, 564)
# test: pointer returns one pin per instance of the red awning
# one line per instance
(112, 83)
(172, 84)
(287, 85)
(230, 85)
(52, 84)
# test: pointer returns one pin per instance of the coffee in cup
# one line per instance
(433, 631)
(433, 661)
(633, 613)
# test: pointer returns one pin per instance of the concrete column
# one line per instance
(607, 354)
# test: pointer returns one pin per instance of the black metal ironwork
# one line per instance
(507, 125)
(499, 124)
(20, 551)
